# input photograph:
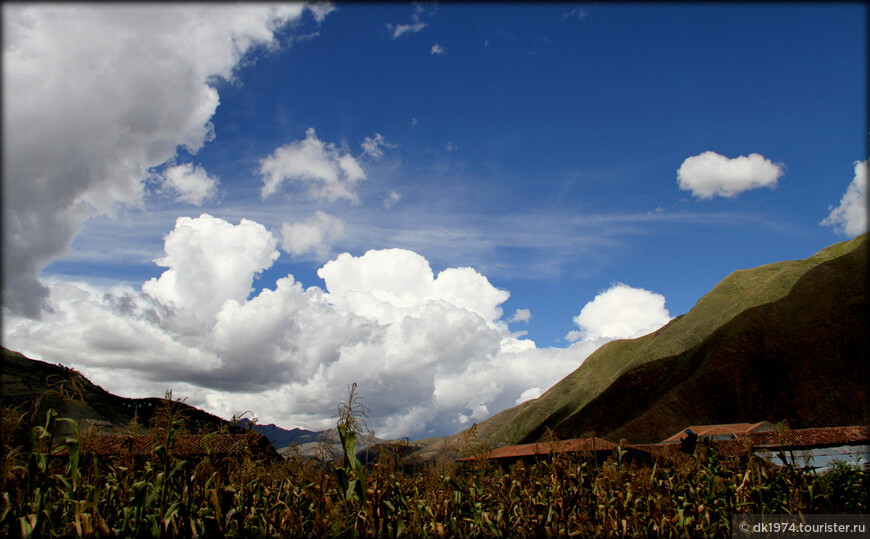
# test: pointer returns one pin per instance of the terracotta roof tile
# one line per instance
(713, 430)
(816, 437)
(577, 445)
(660, 450)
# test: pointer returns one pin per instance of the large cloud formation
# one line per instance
(129, 84)
(709, 174)
(429, 351)
(850, 217)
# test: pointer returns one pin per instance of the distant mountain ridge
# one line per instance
(646, 388)
(280, 437)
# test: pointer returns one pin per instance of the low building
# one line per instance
(595, 448)
(728, 431)
(814, 448)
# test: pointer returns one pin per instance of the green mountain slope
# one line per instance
(804, 358)
(740, 291)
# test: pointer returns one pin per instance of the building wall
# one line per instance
(820, 458)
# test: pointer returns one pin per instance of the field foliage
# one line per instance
(49, 488)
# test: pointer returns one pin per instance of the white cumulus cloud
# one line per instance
(521, 315)
(314, 235)
(210, 261)
(191, 184)
(850, 217)
(428, 350)
(383, 285)
(620, 312)
(95, 95)
(529, 394)
(709, 174)
(321, 170)
(438, 49)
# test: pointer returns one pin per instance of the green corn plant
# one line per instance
(73, 446)
(351, 476)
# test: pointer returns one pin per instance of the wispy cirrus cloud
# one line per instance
(416, 25)
(580, 13)
(392, 198)
(374, 146)
(554, 244)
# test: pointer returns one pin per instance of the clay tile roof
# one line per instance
(115, 445)
(577, 445)
(772, 440)
(216, 443)
(712, 430)
(722, 447)
(815, 437)
(660, 450)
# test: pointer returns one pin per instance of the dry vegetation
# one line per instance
(50, 489)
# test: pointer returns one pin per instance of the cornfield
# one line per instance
(79, 495)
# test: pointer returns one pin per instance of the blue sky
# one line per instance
(537, 145)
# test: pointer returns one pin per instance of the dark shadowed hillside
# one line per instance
(802, 358)
(34, 386)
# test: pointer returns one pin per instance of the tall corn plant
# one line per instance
(351, 476)
(50, 495)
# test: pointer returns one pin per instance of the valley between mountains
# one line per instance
(786, 341)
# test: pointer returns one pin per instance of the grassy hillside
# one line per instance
(34, 386)
(742, 290)
(803, 358)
